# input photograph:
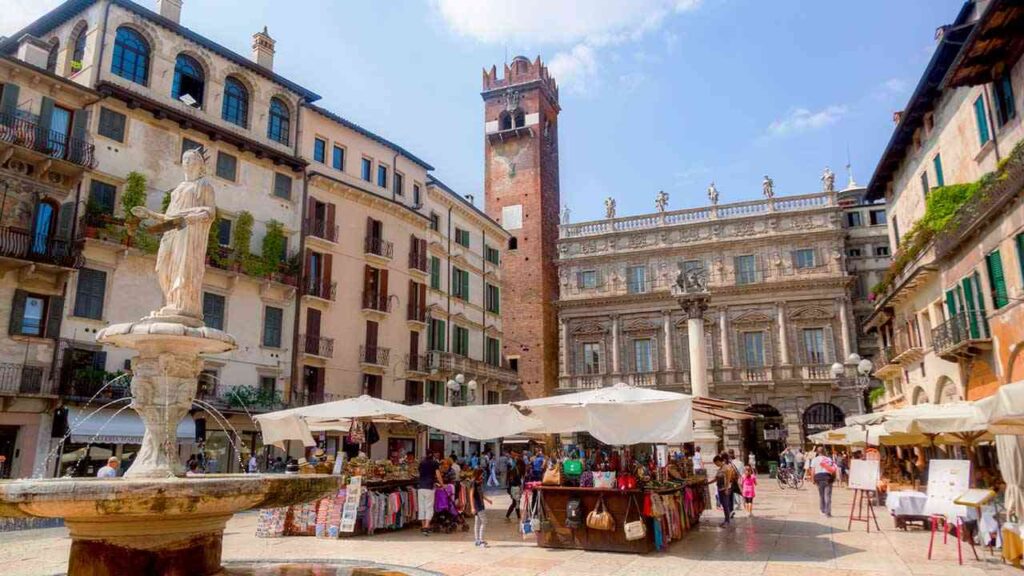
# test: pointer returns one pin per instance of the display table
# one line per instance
(907, 506)
(684, 516)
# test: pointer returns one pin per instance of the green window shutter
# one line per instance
(970, 305)
(54, 315)
(17, 312)
(45, 122)
(940, 180)
(982, 315)
(1019, 240)
(981, 119)
(465, 285)
(9, 99)
(997, 280)
(951, 303)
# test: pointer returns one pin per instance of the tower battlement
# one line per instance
(521, 71)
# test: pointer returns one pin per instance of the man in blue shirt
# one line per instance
(428, 480)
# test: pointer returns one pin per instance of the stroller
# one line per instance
(447, 517)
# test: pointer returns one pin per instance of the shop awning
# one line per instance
(108, 426)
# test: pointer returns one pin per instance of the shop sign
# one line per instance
(777, 434)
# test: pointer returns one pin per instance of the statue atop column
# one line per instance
(828, 180)
(713, 194)
(661, 201)
(181, 258)
(609, 207)
(692, 280)
(565, 213)
(768, 187)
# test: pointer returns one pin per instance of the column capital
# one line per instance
(693, 307)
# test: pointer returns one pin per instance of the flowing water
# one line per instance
(41, 468)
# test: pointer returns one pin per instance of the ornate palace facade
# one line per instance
(779, 316)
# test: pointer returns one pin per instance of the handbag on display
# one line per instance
(604, 479)
(572, 467)
(600, 518)
(542, 511)
(574, 513)
(635, 530)
(587, 479)
(552, 477)
(627, 482)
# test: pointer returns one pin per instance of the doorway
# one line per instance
(764, 437)
(8, 441)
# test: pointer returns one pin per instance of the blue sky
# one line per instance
(656, 94)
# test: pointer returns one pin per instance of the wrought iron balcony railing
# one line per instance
(320, 289)
(376, 301)
(22, 244)
(18, 379)
(317, 345)
(417, 363)
(320, 229)
(23, 132)
(374, 355)
(418, 261)
(960, 331)
(378, 247)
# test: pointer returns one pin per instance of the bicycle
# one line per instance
(788, 478)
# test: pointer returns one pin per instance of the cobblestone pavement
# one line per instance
(786, 537)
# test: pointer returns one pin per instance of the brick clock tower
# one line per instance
(521, 187)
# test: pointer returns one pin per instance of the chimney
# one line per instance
(263, 49)
(170, 9)
(34, 51)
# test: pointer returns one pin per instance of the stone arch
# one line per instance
(918, 396)
(821, 416)
(79, 33)
(946, 391)
(766, 447)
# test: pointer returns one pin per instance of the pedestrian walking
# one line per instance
(724, 479)
(427, 481)
(110, 470)
(798, 459)
(698, 460)
(749, 486)
(824, 470)
(492, 471)
(478, 501)
(254, 465)
(514, 486)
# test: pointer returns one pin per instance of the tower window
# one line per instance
(505, 121)
(519, 118)
(513, 243)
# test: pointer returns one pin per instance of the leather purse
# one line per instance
(627, 482)
(600, 518)
(604, 479)
(572, 467)
(552, 477)
(635, 530)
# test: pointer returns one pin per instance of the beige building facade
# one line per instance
(779, 314)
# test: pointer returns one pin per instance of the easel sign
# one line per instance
(947, 481)
(351, 508)
(864, 475)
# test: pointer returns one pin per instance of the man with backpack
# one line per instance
(824, 470)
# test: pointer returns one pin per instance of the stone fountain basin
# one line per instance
(168, 526)
(91, 499)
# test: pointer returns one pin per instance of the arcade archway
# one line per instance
(822, 416)
(765, 436)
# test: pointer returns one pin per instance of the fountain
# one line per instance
(154, 521)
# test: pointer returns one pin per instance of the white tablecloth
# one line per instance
(906, 503)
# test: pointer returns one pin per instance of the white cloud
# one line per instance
(803, 120)
(16, 14)
(891, 89)
(630, 82)
(579, 28)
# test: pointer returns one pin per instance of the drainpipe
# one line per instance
(103, 43)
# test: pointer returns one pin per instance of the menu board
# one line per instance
(864, 474)
(947, 481)
(351, 509)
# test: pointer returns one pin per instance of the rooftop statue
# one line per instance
(713, 194)
(828, 180)
(661, 201)
(768, 186)
(609, 207)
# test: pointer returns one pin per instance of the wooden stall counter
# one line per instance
(616, 501)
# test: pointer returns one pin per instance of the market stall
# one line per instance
(620, 505)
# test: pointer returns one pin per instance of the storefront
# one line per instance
(95, 437)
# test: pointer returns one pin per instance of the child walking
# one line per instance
(479, 514)
(748, 484)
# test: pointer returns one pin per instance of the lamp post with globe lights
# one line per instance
(455, 392)
(858, 383)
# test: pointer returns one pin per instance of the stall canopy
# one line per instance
(875, 435)
(117, 427)
(475, 422)
(952, 423)
(1003, 412)
(622, 414)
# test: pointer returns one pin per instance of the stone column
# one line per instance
(844, 326)
(783, 340)
(566, 354)
(694, 307)
(667, 325)
(723, 329)
(615, 344)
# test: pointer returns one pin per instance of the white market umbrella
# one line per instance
(1003, 411)
(956, 422)
(617, 415)
(296, 423)
(477, 422)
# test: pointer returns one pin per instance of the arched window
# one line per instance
(131, 56)
(236, 103)
(519, 119)
(504, 121)
(78, 50)
(188, 80)
(51, 58)
(513, 243)
(280, 121)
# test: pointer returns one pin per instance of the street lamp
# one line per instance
(857, 384)
(455, 396)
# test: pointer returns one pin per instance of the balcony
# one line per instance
(374, 356)
(239, 397)
(761, 374)
(884, 366)
(578, 382)
(376, 302)
(962, 337)
(378, 248)
(320, 229)
(417, 364)
(301, 398)
(52, 144)
(23, 245)
(644, 379)
(908, 348)
(84, 384)
(317, 288)
(21, 380)
(447, 364)
(317, 345)
(418, 262)
(815, 372)
(416, 314)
